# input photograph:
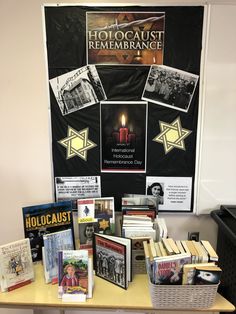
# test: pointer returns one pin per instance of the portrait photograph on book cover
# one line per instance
(170, 87)
(125, 37)
(78, 89)
(123, 136)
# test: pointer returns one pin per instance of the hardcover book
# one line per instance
(53, 243)
(43, 219)
(73, 272)
(112, 259)
(169, 269)
(16, 266)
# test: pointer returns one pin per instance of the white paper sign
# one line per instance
(173, 193)
(73, 188)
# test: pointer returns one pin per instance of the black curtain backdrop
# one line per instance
(66, 51)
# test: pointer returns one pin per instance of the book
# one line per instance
(112, 259)
(53, 243)
(202, 253)
(169, 269)
(140, 200)
(173, 246)
(131, 232)
(16, 265)
(180, 246)
(207, 275)
(189, 271)
(213, 256)
(73, 272)
(167, 246)
(194, 254)
(43, 219)
(95, 215)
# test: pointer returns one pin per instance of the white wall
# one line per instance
(25, 158)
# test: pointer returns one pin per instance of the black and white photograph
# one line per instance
(170, 87)
(78, 89)
(86, 231)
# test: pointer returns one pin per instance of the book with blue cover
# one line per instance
(44, 219)
(53, 243)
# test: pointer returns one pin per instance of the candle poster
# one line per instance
(123, 136)
(123, 86)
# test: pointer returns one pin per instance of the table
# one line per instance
(106, 297)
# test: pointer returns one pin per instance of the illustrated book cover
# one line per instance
(113, 259)
(169, 269)
(43, 219)
(53, 243)
(73, 273)
(16, 266)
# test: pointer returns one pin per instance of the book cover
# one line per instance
(207, 275)
(113, 259)
(53, 243)
(43, 219)
(16, 266)
(189, 271)
(73, 272)
(95, 215)
(169, 269)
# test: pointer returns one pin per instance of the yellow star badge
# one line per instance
(103, 224)
(172, 135)
(77, 143)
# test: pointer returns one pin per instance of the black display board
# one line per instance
(67, 49)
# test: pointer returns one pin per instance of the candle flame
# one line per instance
(123, 120)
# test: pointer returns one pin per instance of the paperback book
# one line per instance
(16, 266)
(95, 215)
(74, 273)
(53, 243)
(169, 269)
(43, 219)
(112, 259)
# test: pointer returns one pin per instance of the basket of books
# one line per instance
(179, 280)
(182, 296)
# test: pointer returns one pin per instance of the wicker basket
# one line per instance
(182, 296)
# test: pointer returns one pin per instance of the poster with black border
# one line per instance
(123, 136)
(172, 142)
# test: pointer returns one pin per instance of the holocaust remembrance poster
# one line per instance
(125, 38)
(124, 99)
(123, 136)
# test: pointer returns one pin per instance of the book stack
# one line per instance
(181, 262)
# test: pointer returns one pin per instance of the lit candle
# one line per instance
(123, 131)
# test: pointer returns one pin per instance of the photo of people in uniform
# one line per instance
(170, 87)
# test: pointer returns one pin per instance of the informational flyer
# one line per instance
(73, 188)
(173, 193)
(123, 136)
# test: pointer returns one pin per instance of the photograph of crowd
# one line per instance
(170, 87)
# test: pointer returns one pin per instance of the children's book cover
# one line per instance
(53, 243)
(73, 270)
(16, 266)
(44, 219)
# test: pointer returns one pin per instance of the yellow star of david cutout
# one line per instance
(77, 143)
(103, 224)
(172, 135)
